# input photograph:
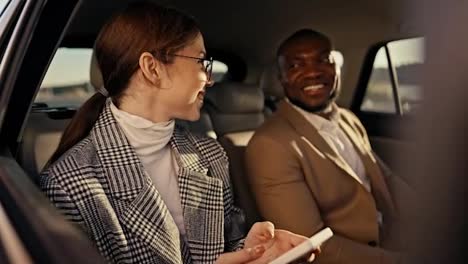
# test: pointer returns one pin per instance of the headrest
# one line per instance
(235, 98)
(269, 82)
(95, 73)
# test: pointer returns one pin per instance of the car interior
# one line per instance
(379, 47)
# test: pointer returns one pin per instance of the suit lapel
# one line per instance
(310, 133)
(379, 186)
(143, 210)
(201, 197)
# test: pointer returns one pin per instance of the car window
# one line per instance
(67, 81)
(393, 86)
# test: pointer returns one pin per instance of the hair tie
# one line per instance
(103, 91)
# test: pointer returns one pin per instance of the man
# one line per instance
(311, 164)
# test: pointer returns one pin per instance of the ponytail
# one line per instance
(80, 125)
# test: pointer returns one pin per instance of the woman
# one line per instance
(144, 190)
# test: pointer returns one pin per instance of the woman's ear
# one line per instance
(152, 69)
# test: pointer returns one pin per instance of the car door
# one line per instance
(30, 31)
(388, 95)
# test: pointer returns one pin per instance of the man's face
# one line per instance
(308, 74)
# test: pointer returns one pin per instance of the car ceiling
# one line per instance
(253, 29)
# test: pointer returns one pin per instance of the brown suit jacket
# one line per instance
(301, 184)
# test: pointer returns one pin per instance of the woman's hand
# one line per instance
(254, 245)
(260, 233)
(263, 244)
(246, 255)
(282, 242)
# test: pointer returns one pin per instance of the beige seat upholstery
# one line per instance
(40, 138)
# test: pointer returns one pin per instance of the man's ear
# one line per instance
(152, 69)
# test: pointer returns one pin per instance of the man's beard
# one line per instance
(319, 108)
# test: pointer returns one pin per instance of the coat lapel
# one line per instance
(141, 208)
(201, 197)
(310, 133)
(379, 186)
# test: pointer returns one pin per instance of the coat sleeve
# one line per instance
(283, 197)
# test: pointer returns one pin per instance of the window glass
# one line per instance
(67, 81)
(379, 93)
(407, 57)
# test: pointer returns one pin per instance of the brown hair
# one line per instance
(141, 27)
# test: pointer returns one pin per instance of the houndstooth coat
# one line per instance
(100, 185)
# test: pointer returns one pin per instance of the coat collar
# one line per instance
(128, 180)
(310, 133)
(116, 153)
(187, 153)
(202, 196)
(380, 188)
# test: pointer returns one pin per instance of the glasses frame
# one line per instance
(207, 63)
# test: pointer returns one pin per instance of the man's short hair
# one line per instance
(300, 34)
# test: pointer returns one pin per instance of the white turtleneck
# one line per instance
(151, 143)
